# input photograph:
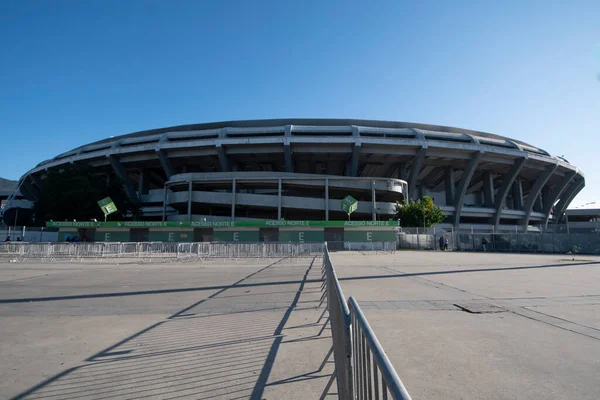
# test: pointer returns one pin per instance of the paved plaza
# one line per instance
(480, 325)
(213, 330)
(455, 326)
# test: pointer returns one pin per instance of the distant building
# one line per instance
(583, 220)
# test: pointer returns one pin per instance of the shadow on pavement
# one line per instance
(242, 284)
(220, 347)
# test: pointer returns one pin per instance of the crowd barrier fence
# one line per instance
(362, 368)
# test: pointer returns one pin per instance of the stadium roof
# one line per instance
(256, 123)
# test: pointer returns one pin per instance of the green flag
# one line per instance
(107, 205)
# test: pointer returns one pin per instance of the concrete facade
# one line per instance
(302, 168)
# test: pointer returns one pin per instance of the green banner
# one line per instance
(107, 205)
(217, 224)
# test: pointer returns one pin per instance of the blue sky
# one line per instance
(72, 72)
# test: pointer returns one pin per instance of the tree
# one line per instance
(419, 213)
(71, 192)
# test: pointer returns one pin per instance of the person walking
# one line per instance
(441, 243)
(484, 243)
(445, 243)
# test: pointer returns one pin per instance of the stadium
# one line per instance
(301, 169)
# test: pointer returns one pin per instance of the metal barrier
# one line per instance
(374, 375)
(389, 246)
(339, 318)
(362, 369)
(170, 250)
(155, 250)
(499, 241)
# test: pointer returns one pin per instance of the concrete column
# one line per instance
(165, 163)
(488, 189)
(402, 172)
(189, 200)
(544, 196)
(480, 199)
(517, 194)
(36, 181)
(233, 189)
(279, 184)
(326, 199)
(569, 194)
(287, 149)
(463, 185)
(535, 192)
(414, 172)
(122, 174)
(352, 168)
(373, 203)
(223, 159)
(29, 191)
(164, 216)
(144, 182)
(509, 178)
(556, 194)
(509, 202)
(450, 185)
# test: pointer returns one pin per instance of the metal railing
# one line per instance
(29, 234)
(362, 369)
(154, 250)
(584, 243)
(374, 375)
(500, 241)
(339, 318)
(389, 246)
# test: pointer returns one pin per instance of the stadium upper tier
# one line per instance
(302, 168)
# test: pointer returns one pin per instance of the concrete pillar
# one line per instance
(414, 172)
(223, 159)
(556, 194)
(542, 199)
(565, 198)
(352, 168)
(402, 172)
(536, 190)
(144, 182)
(233, 189)
(326, 199)
(287, 149)
(279, 187)
(164, 214)
(500, 200)
(373, 203)
(29, 190)
(517, 194)
(127, 182)
(190, 200)
(488, 189)
(509, 202)
(463, 185)
(450, 185)
(165, 163)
